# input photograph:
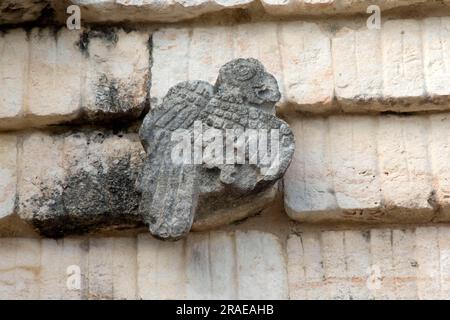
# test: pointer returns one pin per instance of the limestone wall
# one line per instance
(362, 212)
(411, 263)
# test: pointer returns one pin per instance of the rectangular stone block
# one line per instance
(13, 74)
(305, 267)
(161, 273)
(7, 268)
(54, 87)
(112, 268)
(428, 262)
(75, 267)
(402, 59)
(356, 65)
(405, 264)
(117, 74)
(52, 275)
(64, 269)
(19, 268)
(306, 57)
(369, 169)
(124, 268)
(381, 274)
(333, 255)
(353, 149)
(49, 171)
(358, 262)
(261, 271)
(308, 182)
(404, 162)
(83, 180)
(443, 235)
(100, 272)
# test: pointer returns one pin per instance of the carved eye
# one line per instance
(243, 73)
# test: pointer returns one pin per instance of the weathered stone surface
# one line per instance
(407, 263)
(8, 174)
(10, 223)
(306, 55)
(64, 269)
(54, 63)
(19, 268)
(13, 71)
(273, 44)
(81, 182)
(117, 74)
(357, 73)
(122, 11)
(174, 190)
(369, 169)
(49, 77)
(70, 269)
(436, 56)
(147, 10)
(336, 7)
(112, 268)
(400, 68)
(19, 11)
(402, 59)
(398, 263)
(216, 265)
(171, 11)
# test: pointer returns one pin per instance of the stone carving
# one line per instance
(233, 147)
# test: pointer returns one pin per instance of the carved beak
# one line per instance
(268, 91)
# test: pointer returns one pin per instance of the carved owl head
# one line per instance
(249, 79)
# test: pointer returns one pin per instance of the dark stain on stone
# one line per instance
(14, 8)
(109, 34)
(433, 201)
(84, 245)
(366, 235)
(98, 195)
(114, 103)
(397, 114)
(46, 17)
(107, 97)
(83, 43)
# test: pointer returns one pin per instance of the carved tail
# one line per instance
(169, 196)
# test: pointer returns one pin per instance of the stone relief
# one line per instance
(212, 148)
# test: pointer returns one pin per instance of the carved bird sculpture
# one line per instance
(243, 98)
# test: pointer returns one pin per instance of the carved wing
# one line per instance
(225, 112)
(169, 189)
